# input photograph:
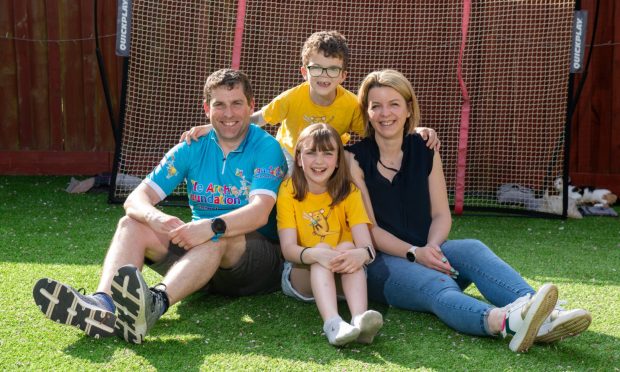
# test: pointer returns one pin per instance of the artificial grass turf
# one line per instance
(49, 233)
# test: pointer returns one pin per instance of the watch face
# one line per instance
(411, 256)
(218, 226)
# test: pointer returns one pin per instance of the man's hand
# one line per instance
(191, 234)
(161, 222)
(430, 136)
(194, 133)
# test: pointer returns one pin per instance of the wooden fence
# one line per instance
(54, 118)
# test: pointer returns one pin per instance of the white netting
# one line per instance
(515, 67)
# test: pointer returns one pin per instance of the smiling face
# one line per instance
(323, 87)
(387, 112)
(229, 112)
(317, 164)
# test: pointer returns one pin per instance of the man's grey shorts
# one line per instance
(257, 272)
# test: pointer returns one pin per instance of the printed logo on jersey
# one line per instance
(271, 172)
(215, 194)
(170, 168)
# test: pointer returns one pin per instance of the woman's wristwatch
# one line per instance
(371, 253)
(411, 253)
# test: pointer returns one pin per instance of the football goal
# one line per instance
(491, 77)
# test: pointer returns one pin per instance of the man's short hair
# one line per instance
(330, 43)
(229, 78)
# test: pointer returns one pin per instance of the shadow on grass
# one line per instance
(205, 330)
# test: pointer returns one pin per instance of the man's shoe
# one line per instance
(369, 323)
(562, 324)
(138, 306)
(525, 316)
(63, 304)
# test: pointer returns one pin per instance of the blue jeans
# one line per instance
(412, 286)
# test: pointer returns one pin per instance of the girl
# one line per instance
(323, 231)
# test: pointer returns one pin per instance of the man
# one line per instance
(229, 247)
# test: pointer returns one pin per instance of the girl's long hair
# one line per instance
(321, 137)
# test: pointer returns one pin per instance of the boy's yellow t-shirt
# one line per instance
(295, 110)
(315, 220)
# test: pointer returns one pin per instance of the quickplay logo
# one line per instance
(123, 27)
(579, 37)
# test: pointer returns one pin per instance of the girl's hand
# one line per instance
(349, 261)
(321, 255)
(432, 257)
(194, 133)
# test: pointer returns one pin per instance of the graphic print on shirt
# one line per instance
(319, 223)
(171, 170)
(318, 119)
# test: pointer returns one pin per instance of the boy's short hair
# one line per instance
(330, 43)
(230, 78)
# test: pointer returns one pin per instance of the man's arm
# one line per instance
(240, 221)
(140, 205)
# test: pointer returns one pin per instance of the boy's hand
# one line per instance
(430, 136)
(194, 133)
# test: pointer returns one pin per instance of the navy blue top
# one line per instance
(401, 207)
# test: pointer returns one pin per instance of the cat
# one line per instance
(586, 194)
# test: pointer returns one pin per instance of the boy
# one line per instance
(320, 98)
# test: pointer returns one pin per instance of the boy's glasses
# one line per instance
(317, 71)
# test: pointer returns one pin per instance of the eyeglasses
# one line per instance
(316, 71)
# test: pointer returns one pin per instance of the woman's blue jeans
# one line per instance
(402, 284)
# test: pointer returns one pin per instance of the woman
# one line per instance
(417, 268)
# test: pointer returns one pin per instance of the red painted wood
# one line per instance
(56, 116)
(24, 80)
(9, 115)
(38, 94)
(55, 162)
(89, 74)
(71, 73)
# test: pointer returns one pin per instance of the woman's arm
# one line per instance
(440, 208)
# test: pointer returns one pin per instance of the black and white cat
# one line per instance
(586, 194)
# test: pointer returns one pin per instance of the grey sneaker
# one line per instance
(562, 324)
(138, 306)
(525, 316)
(369, 323)
(339, 332)
(63, 304)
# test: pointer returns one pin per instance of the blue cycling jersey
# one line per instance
(217, 184)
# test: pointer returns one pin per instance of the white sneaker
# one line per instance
(525, 316)
(562, 324)
(369, 323)
(339, 332)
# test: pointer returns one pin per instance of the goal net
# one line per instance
(491, 77)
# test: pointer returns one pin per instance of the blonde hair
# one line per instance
(397, 81)
(322, 137)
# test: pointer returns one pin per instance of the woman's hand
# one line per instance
(349, 261)
(432, 257)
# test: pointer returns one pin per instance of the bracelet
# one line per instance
(301, 256)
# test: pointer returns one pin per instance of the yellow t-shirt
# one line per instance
(315, 220)
(295, 110)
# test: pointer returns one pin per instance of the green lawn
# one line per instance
(46, 232)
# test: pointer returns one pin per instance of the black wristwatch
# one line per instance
(371, 254)
(411, 253)
(218, 226)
